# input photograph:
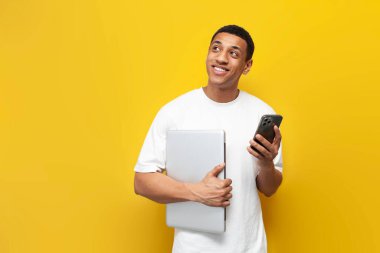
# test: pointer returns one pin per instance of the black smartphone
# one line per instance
(265, 127)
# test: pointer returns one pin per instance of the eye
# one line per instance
(234, 54)
(215, 48)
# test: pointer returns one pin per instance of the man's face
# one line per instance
(226, 60)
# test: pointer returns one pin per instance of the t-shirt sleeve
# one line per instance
(153, 152)
(278, 159)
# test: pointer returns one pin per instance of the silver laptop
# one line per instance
(190, 155)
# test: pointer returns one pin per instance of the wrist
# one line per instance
(267, 166)
(190, 193)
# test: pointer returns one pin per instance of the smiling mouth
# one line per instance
(219, 69)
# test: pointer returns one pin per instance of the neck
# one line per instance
(221, 95)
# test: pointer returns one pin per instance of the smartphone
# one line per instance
(265, 127)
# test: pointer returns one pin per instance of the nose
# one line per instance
(222, 58)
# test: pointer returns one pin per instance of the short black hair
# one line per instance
(242, 33)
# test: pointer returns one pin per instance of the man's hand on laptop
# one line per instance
(212, 191)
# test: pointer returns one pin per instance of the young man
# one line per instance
(219, 105)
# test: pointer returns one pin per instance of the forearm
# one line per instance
(161, 188)
(268, 180)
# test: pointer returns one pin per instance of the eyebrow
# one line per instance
(235, 47)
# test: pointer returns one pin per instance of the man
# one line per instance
(219, 105)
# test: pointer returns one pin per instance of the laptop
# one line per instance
(190, 155)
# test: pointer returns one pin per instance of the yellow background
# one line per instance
(81, 81)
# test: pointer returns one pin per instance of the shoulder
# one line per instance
(172, 110)
(181, 102)
(252, 101)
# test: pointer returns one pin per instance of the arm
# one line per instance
(161, 188)
(210, 191)
(269, 179)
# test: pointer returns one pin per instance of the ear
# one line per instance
(247, 67)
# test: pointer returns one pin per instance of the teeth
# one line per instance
(219, 69)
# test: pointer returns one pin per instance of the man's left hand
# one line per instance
(269, 151)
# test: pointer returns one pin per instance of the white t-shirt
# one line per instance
(239, 118)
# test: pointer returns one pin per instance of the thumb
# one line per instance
(215, 171)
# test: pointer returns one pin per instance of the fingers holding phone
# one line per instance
(277, 136)
(267, 139)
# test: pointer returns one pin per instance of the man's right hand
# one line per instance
(212, 191)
